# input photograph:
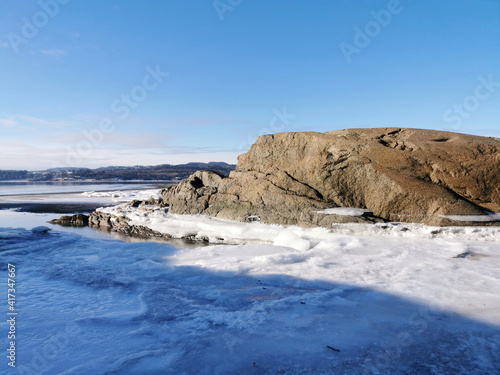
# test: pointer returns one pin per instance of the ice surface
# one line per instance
(100, 197)
(230, 231)
(40, 229)
(344, 211)
(473, 218)
(123, 195)
(290, 239)
(393, 299)
(20, 188)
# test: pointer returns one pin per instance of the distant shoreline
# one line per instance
(85, 181)
(76, 189)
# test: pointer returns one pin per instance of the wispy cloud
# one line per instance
(30, 120)
(4, 44)
(133, 140)
(126, 156)
(8, 122)
(53, 52)
(32, 156)
(136, 140)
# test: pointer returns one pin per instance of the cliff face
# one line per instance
(408, 175)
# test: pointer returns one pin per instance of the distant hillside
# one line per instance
(138, 172)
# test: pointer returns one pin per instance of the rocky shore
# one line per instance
(407, 175)
(346, 176)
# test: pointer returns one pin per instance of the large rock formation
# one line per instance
(408, 175)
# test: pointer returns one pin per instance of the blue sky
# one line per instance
(95, 83)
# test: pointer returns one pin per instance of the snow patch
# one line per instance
(473, 218)
(289, 239)
(344, 211)
(357, 288)
(123, 195)
(235, 232)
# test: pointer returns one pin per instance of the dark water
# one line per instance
(47, 208)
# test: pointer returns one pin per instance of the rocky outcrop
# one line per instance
(78, 220)
(192, 195)
(208, 193)
(120, 224)
(408, 175)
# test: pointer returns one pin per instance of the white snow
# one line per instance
(406, 259)
(40, 229)
(90, 197)
(344, 211)
(474, 218)
(120, 196)
(393, 298)
(290, 239)
(234, 232)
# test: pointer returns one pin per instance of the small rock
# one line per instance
(40, 230)
(78, 220)
(331, 348)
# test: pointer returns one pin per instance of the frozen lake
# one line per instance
(356, 299)
(89, 306)
(52, 187)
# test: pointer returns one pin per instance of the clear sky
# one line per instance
(92, 83)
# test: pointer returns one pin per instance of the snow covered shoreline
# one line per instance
(215, 230)
(388, 298)
(392, 256)
(299, 301)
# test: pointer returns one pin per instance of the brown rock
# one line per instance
(408, 175)
(78, 220)
(192, 196)
(120, 224)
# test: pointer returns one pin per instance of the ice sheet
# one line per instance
(350, 304)
(474, 218)
(344, 211)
